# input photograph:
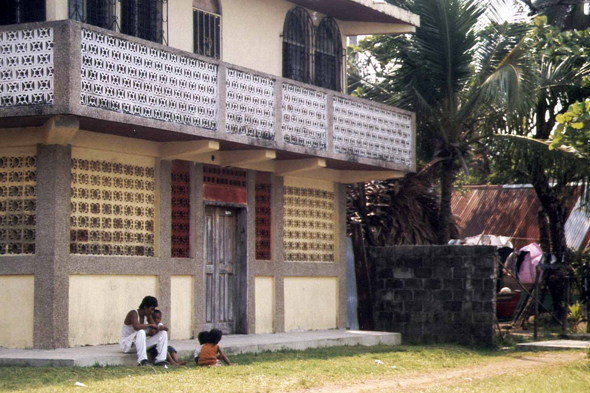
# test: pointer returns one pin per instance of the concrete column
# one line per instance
(67, 65)
(164, 184)
(52, 246)
(197, 241)
(279, 112)
(330, 133)
(276, 199)
(251, 254)
(340, 251)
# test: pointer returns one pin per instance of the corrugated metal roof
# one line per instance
(506, 211)
(576, 227)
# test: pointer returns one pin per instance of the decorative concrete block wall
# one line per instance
(433, 294)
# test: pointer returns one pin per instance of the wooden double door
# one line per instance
(221, 268)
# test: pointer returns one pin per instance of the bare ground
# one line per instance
(455, 376)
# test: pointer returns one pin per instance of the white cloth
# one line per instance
(138, 338)
(198, 351)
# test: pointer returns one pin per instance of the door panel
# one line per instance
(220, 252)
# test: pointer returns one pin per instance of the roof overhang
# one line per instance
(361, 11)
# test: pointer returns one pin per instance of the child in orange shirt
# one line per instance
(211, 354)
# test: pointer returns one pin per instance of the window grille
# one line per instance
(207, 33)
(147, 19)
(297, 34)
(328, 55)
(22, 11)
(99, 13)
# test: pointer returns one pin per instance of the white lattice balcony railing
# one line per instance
(103, 75)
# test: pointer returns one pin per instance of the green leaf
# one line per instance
(578, 126)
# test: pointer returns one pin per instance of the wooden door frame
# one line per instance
(241, 275)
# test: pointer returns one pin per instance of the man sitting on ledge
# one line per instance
(134, 333)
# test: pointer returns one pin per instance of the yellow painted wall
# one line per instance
(17, 307)
(182, 297)
(264, 295)
(251, 29)
(99, 304)
(311, 303)
(180, 24)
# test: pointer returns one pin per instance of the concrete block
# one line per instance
(423, 272)
(461, 272)
(452, 306)
(431, 284)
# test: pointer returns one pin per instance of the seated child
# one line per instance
(203, 337)
(210, 351)
(171, 355)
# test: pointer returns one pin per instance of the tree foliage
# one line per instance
(573, 129)
(456, 79)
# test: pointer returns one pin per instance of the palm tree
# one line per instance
(453, 79)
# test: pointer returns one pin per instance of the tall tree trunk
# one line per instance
(447, 180)
(544, 232)
(556, 278)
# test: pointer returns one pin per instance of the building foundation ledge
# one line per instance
(233, 344)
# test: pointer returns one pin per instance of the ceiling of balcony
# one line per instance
(361, 11)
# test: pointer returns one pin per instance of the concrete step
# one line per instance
(232, 344)
(556, 345)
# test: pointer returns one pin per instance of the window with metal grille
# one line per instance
(297, 41)
(99, 13)
(207, 33)
(22, 11)
(328, 55)
(145, 19)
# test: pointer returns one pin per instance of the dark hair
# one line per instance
(203, 337)
(215, 336)
(148, 301)
(158, 312)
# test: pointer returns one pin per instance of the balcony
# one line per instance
(126, 86)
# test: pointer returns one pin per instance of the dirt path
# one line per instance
(455, 376)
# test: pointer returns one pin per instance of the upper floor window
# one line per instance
(207, 28)
(22, 11)
(99, 13)
(328, 55)
(144, 19)
(312, 55)
(297, 42)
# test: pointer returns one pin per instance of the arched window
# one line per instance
(207, 28)
(297, 34)
(22, 11)
(143, 19)
(328, 55)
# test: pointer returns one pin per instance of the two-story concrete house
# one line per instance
(194, 150)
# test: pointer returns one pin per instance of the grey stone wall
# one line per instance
(435, 294)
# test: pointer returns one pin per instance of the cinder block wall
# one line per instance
(435, 294)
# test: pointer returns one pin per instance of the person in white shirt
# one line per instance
(135, 329)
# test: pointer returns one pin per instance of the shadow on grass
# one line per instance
(27, 378)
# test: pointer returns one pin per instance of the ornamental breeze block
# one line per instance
(127, 77)
(26, 67)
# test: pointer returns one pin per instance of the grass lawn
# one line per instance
(279, 371)
(565, 379)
